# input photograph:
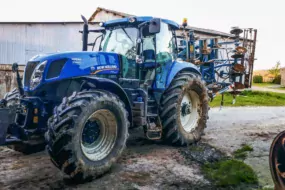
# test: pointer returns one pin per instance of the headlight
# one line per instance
(37, 75)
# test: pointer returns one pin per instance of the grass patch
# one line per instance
(267, 188)
(227, 173)
(251, 98)
(280, 88)
(242, 152)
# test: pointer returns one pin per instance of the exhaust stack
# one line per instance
(85, 34)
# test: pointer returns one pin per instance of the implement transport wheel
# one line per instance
(277, 161)
(87, 133)
(184, 109)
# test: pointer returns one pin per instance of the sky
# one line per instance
(265, 16)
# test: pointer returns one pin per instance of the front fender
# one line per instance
(110, 86)
(178, 66)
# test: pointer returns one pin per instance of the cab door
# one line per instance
(165, 55)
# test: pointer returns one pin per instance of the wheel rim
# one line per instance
(189, 111)
(277, 160)
(99, 135)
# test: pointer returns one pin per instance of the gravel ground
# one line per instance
(274, 88)
(230, 128)
(148, 165)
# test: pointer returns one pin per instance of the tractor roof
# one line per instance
(138, 20)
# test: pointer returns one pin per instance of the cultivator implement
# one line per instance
(225, 64)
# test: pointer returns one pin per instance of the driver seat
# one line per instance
(149, 58)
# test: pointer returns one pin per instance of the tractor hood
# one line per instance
(58, 66)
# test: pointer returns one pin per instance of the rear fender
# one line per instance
(108, 85)
(179, 66)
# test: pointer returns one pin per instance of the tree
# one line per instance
(275, 71)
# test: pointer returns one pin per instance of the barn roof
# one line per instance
(209, 31)
(198, 30)
(99, 9)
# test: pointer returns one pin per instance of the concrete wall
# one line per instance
(282, 71)
(8, 79)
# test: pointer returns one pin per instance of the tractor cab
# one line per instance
(147, 46)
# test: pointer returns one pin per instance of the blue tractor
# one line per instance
(84, 103)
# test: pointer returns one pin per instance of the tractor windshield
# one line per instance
(121, 41)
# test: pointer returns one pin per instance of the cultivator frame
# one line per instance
(223, 68)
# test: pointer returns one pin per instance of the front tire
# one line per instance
(184, 109)
(87, 133)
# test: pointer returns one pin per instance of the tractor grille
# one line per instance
(30, 67)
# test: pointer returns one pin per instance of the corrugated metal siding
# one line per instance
(20, 42)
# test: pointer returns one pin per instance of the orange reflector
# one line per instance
(184, 23)
(35, 119)
(191, 48)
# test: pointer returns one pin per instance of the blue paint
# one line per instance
(80, 64)
(178, 66)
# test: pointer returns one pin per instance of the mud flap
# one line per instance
(6, 118)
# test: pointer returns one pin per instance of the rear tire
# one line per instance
(71, 147)
(184, 109)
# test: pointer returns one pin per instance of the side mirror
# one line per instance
(154, 26)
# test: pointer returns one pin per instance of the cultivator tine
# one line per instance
(234, 100)
(222, 102)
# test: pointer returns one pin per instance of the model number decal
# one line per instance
(107, 67)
